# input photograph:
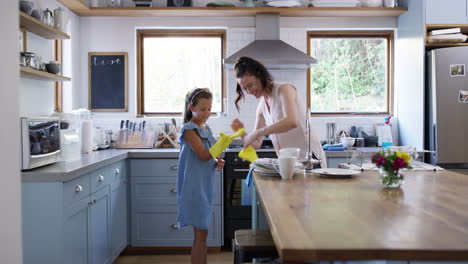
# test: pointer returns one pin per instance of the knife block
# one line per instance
(127, 139)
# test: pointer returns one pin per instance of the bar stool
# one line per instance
(249, 244)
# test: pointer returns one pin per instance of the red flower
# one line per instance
(399, 163)
(375, 157)
(380, 161)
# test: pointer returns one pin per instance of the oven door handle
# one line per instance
(45, 155)
(241, 170)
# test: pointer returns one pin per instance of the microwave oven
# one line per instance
(40, 140)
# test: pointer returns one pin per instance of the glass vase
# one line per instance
(391, 179)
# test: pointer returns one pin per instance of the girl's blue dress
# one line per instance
(195, 181)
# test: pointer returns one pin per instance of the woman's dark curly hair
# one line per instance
(246, 65)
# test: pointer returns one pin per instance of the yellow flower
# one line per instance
(404, 156)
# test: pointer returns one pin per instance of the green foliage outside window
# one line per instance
(350, 76)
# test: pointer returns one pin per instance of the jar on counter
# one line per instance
(371, 3)
(389, 3)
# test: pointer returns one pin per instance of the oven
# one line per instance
(40, 140)
(237, 196)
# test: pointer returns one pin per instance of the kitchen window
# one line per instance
(173, 62)
(354, 73)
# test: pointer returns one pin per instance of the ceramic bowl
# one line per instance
(54, 68)
(26, 6)
(347, 141)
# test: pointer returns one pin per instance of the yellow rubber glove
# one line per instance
(223, 142)
(248, 153)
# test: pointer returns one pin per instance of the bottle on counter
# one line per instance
(387, 139)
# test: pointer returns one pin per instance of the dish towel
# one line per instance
(248, 180)
(334, 147)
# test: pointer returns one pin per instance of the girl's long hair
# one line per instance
(246, 65)
(193, 97)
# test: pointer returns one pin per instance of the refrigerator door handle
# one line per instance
(434, 139)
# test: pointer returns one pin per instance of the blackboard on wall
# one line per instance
(108, 89)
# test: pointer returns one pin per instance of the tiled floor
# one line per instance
(224, 257)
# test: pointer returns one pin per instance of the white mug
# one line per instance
(286, 166)
(290, 152)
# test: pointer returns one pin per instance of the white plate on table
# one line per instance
(285, 3)
(335, 172)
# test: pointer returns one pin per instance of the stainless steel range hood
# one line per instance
(267, 48)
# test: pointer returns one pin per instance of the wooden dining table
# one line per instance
(313, 218)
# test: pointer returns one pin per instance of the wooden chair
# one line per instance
(249, 244)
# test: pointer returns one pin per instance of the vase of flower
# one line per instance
(391, 165)
(391, 179)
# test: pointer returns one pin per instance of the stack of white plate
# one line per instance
(335, 3)
(267, 166)
(283, 3)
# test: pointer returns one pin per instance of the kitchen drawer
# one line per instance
(117, 171)
(156, 226)
(100, 178)
(149, 191)
(153, 167)
(76, 190)
(104, 176)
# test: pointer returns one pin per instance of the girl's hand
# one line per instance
(219, 163)
(236, 125)
(252, 137)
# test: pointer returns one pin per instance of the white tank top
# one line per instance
(297, 137)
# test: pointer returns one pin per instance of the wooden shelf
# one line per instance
(40, 28)
(463, 29)
(27, 72)
(445, 45)
(80, 8)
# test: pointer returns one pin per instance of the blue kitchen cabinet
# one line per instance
(76, 232)
(71, 222)
(446, 12)
(86, 229)
(99, 227)
(119, 216)
(154, 206)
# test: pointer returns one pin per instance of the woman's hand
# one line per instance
(236, 125)
(252, 137)
(219, 163)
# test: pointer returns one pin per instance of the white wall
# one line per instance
(10, 227)
(409, 74)
(100, 34)
(37, 97)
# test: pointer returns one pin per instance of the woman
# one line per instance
(280, 112)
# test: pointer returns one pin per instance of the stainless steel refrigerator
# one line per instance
(447, 107)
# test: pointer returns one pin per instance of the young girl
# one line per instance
(195, 178)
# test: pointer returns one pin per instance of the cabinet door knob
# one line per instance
(94, 201)
(173, 190)
(90, 203)
(78, 188)
(117, 171)
(174, 167)
(100, 178)
(174, 226)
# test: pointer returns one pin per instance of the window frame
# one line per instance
(389, 35)
(144, 33)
